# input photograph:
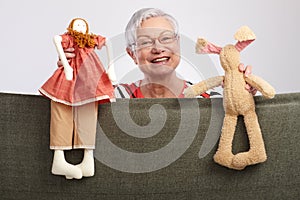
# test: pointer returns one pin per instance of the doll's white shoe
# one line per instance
(61, 167)
(87, 165)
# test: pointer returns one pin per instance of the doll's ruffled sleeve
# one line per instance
(100, 41)
(65, 41)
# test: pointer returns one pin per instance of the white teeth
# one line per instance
(160, 59)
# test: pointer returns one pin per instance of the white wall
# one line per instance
(28, 56)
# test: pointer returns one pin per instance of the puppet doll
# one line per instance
(75, 89)
(237, 101)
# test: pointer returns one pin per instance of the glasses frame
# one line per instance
(174, 37)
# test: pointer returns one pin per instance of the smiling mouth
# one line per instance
(160, 60)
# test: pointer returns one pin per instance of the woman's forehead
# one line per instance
(154, 26)
(152, 32)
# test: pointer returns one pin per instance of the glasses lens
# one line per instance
(167, 38)
(143, 42)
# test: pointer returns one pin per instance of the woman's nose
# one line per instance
(157, 47)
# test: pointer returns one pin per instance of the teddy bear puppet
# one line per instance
(75, 89)
(236, 101)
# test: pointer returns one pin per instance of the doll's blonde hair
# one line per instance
(82, 39)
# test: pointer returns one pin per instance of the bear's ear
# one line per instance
(244, 36)
(203, 47)
(241, 45)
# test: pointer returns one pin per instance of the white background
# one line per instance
(28, 56)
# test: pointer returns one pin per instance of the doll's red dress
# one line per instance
(90, 81)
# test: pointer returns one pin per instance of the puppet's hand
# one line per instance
(247, 71)
(264, 87)
(69, 53)
(68, 72)
(189, 92)
(112, 75)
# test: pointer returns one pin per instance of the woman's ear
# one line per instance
(132, 55)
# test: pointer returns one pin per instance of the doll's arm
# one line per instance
(203, 86)
(67, 68)
(261, 85)
(111, 68)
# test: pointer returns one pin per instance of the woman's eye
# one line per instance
(144, 42)
(165, 38)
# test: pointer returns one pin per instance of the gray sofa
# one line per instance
(151, 149)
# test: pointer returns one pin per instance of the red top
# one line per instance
(90, 81)
(134, 90)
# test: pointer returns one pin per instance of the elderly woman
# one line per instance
(153, 43)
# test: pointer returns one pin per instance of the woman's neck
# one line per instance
(169, 86)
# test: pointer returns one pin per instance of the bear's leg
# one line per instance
(224, 154)
(257, 152)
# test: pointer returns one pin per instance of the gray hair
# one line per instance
(139, 16)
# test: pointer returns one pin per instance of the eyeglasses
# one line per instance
(165, 37)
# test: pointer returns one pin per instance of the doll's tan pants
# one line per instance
(73, 126)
